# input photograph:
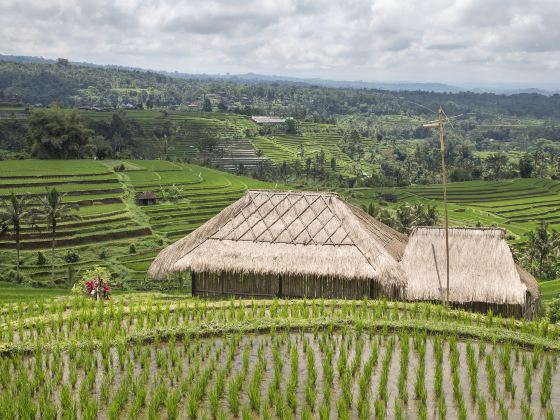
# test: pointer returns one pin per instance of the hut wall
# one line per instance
(237, 284)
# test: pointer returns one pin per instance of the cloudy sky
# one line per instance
(461, 41)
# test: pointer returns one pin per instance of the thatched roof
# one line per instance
(146, 195)
(290, 233)
(482, 268)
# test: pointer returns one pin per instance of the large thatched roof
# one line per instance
(290, 233)
(482, 268)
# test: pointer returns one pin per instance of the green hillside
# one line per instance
(517, 205)
(110, 219)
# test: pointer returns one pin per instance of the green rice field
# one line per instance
(152, 355)
(517, 205)
(110, 220)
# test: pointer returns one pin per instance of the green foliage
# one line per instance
(96, 272)
(405, 216)
(71, 256)
(57, 133)
(553, 310)
(526, 166)
(542, 252)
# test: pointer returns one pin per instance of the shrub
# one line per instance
(71, 256)
(103, 255)
(554, 311)
(119, 168)
(11, 277)
(41, 260)
(132, 249)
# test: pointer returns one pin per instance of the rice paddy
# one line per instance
(517, 205)
(162, 356)
(110, 218)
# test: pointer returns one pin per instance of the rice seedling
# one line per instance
(442, 408)
(491, 377)
(482, 413)
(420, 382)
(234, 389)
(403, 368)
(546, 383)
(473, 371)
(504, 414)
(526, 410)
(384, 377)
(438, 374)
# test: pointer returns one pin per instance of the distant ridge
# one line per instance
(266, 78)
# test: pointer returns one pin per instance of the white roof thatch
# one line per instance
(268, 120)
(482, 268)
(290, 233)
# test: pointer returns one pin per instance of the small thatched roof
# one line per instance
(290, 233)
(146, 195)
(482, 268)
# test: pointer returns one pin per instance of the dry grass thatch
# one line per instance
(482, 268)
(291, 233)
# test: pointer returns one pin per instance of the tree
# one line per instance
(542, 251)
(291, 126)
(15, 212)
(207, 106)
(57, 133)
(526, 166)
(222, 106)
(165, 137)
(496, 163)
(63, 62)
(351, 144)
(51, 211)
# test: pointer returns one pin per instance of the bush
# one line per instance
(41, 259)
(11, 277)
(119, 168)
(132, 249)
(103, 255)
(71, 256)
(554, 311)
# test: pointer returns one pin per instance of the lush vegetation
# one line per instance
(338, 135)
(153, 355)
(75, 85)
(109, 228)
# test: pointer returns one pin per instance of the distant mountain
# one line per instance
(249, 78)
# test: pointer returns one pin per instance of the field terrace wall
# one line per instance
(292, 244)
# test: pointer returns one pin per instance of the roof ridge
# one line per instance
(295, 192)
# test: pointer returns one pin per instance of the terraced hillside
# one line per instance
(311, 140)
(110, 219)
(517, 205)
(229, 130)
(236, 144)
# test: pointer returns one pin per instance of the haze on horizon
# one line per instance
(464, 42)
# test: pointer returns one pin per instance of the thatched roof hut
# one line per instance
(145, 198)
(483, 272)
(289, 243)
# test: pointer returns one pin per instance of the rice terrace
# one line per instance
(241, 210)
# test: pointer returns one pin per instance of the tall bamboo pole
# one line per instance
(441, 124)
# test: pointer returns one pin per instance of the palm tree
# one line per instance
(52, 210)
(15, 212)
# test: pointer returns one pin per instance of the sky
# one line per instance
(463, 42)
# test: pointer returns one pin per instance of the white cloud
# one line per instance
(461, 41)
